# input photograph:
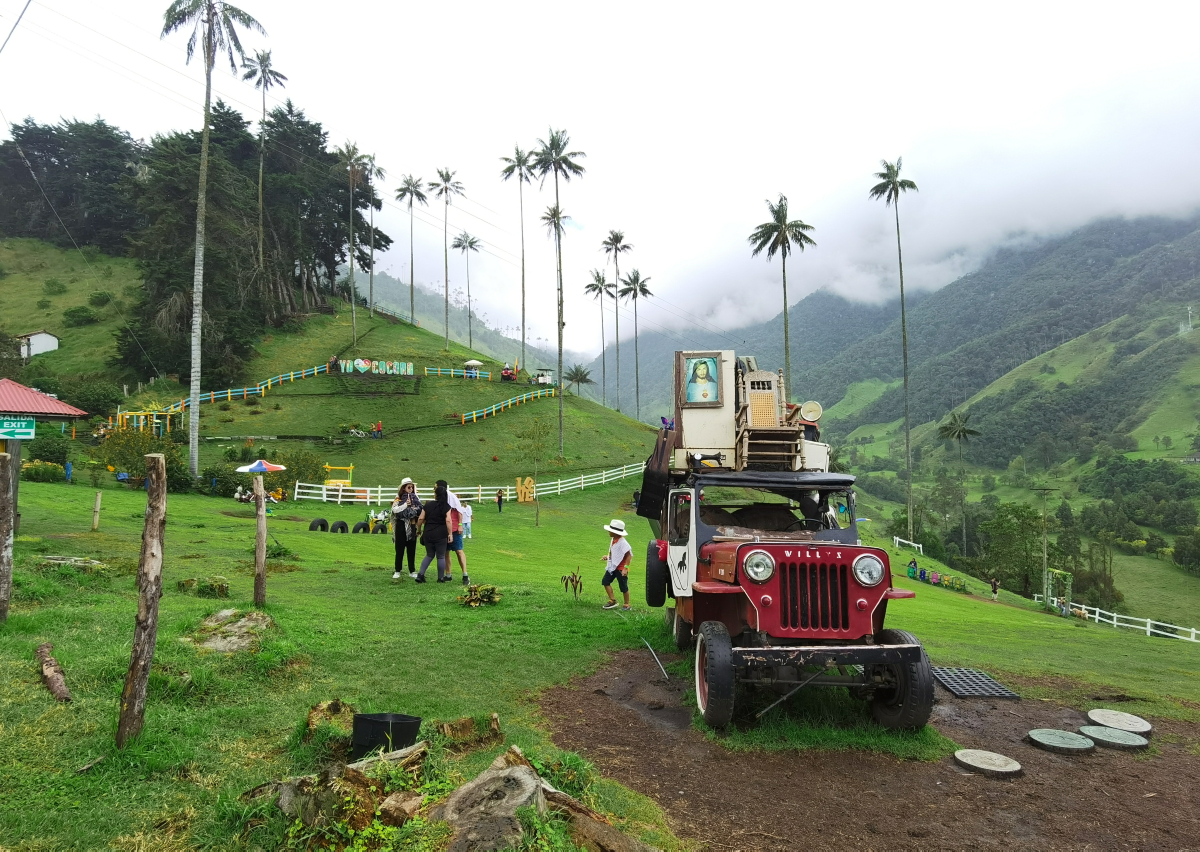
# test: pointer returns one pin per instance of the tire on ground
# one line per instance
(714, 673)
(339, 527)
(908, 705)
(380, 529)
(656, 576)
(361, 527)
(319, 525)
(681, 631)
(669, 619)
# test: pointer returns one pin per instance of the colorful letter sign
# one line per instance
(384, 368)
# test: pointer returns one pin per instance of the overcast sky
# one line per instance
(1014, 119)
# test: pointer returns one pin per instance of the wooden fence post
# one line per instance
(6, 536)
(149, 584)
(260, 544)
(96, 513)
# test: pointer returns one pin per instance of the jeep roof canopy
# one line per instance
(787, 483)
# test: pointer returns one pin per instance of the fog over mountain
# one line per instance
(1017, 121)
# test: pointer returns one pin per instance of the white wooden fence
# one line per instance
(382, 495)
(897, 541)
(1143, 625)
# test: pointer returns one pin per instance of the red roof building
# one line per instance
(15, 398)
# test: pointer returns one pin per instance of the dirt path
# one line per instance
(632, 724)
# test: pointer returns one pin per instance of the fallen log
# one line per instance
(52, 673)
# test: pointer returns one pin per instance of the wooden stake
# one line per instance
(6, 536)
(96, 513)
(149, 584)
(52, 673)
(260, 544)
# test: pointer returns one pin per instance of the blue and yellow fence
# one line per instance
(493, 410)
(446, 372)
(245, 393)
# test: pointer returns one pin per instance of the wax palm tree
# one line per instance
(890, 187)
(214, 26)
(614, 245)
(634, 289)
(578, 375)
(554, 220)
(445, 188)
(466, 243)
(354, 164)
(779, 236)
(599, 288)
(260, 70)
(372, 174)
(411, 189)
(958, 429)
(520, 166)
(553, 158)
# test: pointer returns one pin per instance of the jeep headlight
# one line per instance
(759, 566)
(868, 570)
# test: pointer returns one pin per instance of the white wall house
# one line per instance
(37, 342)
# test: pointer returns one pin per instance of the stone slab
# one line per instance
(1120, 720)
(987, 763)
(1114, 738)
(1061, 742)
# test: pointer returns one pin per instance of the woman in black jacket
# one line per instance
(433, 526)
(405, 510)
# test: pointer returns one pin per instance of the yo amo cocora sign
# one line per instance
(383, 368)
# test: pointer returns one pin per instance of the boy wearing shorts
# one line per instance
(617, 564)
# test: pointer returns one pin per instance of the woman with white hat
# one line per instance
(405, 510)
(617, 567)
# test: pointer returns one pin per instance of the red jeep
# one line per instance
(767, 575)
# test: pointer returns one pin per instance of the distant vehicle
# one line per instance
(544, 376)
(758, 555)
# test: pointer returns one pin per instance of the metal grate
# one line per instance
(970, 683)
(815, 596)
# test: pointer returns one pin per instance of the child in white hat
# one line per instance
(617, 564)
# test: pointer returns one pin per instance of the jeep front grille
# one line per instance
(814, 596)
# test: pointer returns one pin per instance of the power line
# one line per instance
(14, 26)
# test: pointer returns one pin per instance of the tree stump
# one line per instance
(52, 673)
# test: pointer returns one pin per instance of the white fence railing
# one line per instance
(382, 495)
(1143, 625)
(897, 541)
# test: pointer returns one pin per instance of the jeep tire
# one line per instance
(681, 631)
(714, 674)
(907, 705)
(656, 576)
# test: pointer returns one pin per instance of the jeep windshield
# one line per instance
(796, 507)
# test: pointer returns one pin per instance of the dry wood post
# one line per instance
(149, 583)
(96, 513)
(260, 543)
(52, 673)
(6, 536)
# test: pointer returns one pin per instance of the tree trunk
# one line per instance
(260, 544)
(198, 268)
(617, 320)
(371, 287)
(6, 534)
(787, 339)
(559, 377)
(962, 470)
(904, 357)
(412, 293)
(149, 585)
(637, 364)
(262, 150)
(96, 512)
(52, 673)
(446, 265)
(470, 338)
(353, 301)
(603, 355)
(521, 196)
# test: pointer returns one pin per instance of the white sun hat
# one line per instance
(616, 527)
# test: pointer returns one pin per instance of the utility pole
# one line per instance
(1045, 492)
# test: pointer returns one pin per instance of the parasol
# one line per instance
(260, 466)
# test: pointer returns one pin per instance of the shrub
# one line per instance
(989, 482)
(43, 304)
(301, 465)
(78, 316)
(481, 595)
(221, 480)
(40, 471)
(95, 395)
(50, 447)
(54, 287)
(99, 299)
(126, 450)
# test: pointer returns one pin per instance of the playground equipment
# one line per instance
(376, 522)
(347, 482)
(157, 421)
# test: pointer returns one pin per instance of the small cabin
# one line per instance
(36, 342)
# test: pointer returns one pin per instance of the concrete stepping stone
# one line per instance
(1119, 720)
(1114, 738)
(1061, 742)
(987, 763)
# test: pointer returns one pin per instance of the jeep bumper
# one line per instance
(826, 656)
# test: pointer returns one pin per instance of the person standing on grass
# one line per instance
(406, 508)
(995, 589)
(500, 501)
(433, 525)
(379, 430)
(456, 530)
(468, 513)
(617, 564)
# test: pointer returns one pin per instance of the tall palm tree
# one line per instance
(260, 70)
(890, 187)
(373, 173)
(445, 188)
(601, 290)
(411, 189)
(779, 236)
(634, 288)
(355, 164)
(214, 26)
(958, 429)
(520, 166)
(614, 245)
(466, 243)
(578, 375)
(553, 158)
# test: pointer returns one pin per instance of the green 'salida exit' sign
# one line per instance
(16, 428)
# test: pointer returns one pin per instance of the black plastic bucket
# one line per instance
(391, 731)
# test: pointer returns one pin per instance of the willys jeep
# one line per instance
(757, 555)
